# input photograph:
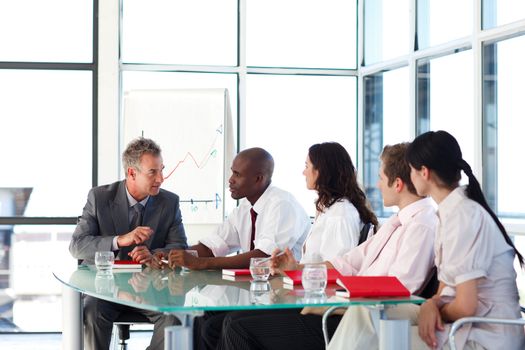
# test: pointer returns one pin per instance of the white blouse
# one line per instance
(469, 245)
(334, 232)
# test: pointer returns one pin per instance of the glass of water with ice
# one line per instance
(314, 278)
(260, 269)
(104, 260)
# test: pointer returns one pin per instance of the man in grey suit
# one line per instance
(133, 218)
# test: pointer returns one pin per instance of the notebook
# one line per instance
(236, 272)
(372, 286)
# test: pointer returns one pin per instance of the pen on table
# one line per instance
(270, 257)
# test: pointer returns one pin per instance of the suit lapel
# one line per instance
(119, 210)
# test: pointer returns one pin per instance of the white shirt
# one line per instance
(405, 251)
(334, 232)
(469, 245)
(281, 222)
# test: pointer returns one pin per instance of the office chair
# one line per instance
(364, 234)
(123, 322)
(459, 323)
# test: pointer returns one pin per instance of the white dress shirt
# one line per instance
(405, 251)
(334, 232)
(281, 222)
(469, 245)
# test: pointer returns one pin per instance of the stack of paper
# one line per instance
(126, 266)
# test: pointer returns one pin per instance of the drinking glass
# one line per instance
(104, 260)
(314, 278)
(260, 269)
(260, 292)
(104, 282)
(191, 252)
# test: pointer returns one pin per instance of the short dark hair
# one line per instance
(136, 149)
(395, 165)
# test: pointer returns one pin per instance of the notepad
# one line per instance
(293, 277)
(236, 272)
(372, 286)
(126, 265)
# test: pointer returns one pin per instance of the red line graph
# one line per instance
(211, 152)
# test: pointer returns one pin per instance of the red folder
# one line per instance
(373, 286)
(236, 272)
(293, 277)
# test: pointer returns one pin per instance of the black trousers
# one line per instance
(98, 323)
(261, 329)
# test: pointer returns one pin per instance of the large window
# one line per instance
(48, 112)
(503, 123)
(289, 67)
(307, 107)
(386, 122)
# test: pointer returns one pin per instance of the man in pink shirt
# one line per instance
(403, 247)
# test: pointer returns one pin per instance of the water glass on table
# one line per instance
(104, 260)
(314, 278)
(191, 252)
(260, 269)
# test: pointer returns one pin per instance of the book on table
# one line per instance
(293, 277)
(127, 265)
(371, 286)
(236, 272)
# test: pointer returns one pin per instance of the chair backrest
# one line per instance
(363, 234)
(431, 285)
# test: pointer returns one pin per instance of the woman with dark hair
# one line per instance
(341, 205)
(474, 254)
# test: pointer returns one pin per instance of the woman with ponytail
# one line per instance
(474, 254)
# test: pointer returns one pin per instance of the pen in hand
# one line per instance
(270, 257)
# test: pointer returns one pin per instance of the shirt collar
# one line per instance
(408, 212)
(132, 201)
(450, 202)
(263, 199)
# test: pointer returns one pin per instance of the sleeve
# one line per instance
(225, 240)
(340, 234)
(280, 227)
(467, 251)
(350, 263)
(86, 239)
(176, 238)
(415, 257)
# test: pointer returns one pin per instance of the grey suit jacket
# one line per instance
(105, 215)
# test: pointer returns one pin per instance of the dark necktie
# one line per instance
(253, 215)
(136, 220)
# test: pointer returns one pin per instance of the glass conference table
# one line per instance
(188, 294)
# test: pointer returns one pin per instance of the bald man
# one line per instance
(266, 218)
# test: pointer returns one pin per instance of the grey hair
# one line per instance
(135, 150)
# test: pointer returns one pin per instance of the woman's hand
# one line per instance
(428, 321)
(283, 262)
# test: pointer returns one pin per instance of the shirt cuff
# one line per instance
(267, 246)
(114, 245)
(471, 275)
(342, 266)
(217, 246)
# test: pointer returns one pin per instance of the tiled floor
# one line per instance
(53, 341)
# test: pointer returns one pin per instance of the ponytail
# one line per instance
(474, 192)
